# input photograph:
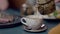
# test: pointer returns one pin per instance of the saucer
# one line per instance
(39, 30)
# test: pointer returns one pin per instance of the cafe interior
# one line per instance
(29, 16)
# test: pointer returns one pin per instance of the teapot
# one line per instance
(32, 9)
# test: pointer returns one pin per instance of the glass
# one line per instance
(27, 7)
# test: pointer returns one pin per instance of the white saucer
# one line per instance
(40, 30)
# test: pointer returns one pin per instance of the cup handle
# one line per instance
(23, 21)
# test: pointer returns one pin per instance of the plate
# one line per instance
(40, 30)
(16, 18)
(13, 23)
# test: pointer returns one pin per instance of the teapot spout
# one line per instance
(36, 12)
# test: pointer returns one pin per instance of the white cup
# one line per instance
(32, 22)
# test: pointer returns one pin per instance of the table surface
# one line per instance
(20, 30)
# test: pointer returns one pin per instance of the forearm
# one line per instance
(57, 0)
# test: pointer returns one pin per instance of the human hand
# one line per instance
(57, 0)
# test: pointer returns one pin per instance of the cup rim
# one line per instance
(32, 17)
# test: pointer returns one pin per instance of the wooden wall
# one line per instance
(16, 3)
